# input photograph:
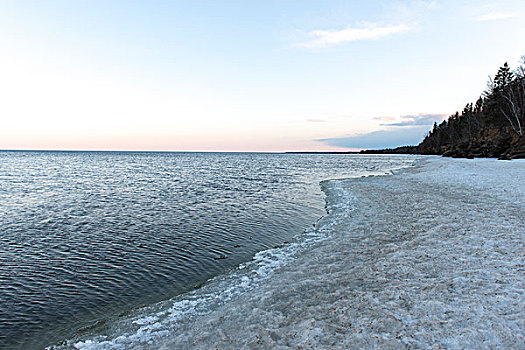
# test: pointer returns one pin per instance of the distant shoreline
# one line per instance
(321, 152)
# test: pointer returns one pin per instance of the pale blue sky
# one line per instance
(243, 76)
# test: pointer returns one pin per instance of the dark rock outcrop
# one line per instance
(516, 149)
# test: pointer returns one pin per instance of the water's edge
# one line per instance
(146, 325)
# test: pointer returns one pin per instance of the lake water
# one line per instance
(89, 238)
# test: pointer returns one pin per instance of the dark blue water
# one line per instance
(88, 236)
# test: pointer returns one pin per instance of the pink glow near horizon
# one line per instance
(243, 76)
(152, 144)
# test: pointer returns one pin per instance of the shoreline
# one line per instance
(140, 326)
(257, 203)
(411, 275)
(403, 262)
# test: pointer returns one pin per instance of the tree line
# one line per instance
(493, 126)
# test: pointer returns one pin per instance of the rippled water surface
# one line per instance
(88, 236)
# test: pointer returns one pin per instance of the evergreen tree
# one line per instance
(503, 78)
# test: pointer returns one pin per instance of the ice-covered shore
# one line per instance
(432, 257)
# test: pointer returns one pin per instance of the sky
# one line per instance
(265, 76)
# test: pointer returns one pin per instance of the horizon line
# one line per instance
(174, 151)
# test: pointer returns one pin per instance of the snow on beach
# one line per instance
(432, 257)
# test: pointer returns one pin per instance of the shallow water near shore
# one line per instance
(94, 243)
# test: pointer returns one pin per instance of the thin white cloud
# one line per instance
(491, 16)
(385, 118)
(335, 37)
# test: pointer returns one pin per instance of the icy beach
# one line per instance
(431, 257)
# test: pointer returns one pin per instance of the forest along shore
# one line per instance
(493, 127)
(429, 257)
